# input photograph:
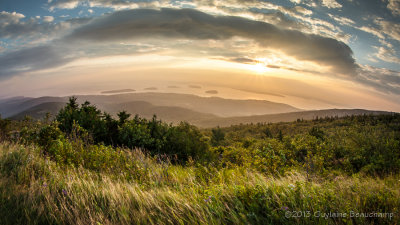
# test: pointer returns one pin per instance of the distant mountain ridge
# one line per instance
(210, 105)
(214, 105)
(173, 108)
(170, 114)
(13, 106)
(39, 112)
(287, 117)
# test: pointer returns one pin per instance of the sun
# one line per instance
(259, 68)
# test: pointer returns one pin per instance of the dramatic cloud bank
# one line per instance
(192, 24)
(350, 41)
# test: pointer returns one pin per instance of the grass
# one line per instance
(37, 190)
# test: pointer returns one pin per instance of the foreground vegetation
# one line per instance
(88, 168)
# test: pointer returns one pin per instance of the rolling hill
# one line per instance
(13, 106)
(172, 108)
(170, 114)
(214, 105)
(174, 114)
(285, 117)
(39, 111)
(209, 105)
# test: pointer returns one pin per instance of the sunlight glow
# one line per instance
(260, 68)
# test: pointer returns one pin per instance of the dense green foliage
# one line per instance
(182, 141)
(87, 167)
(367, 144)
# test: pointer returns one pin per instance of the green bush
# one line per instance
(185, 141)
(5, 128)
(182, 141)
(48, 134)
(218, 136)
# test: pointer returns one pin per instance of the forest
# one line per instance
(86, 166)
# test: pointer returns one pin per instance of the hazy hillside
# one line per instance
(166, 113)
(200, 111)
(214, 105)
(169, 114)
(208, 105)
(285, 117)
(40, 111)
(9, 106)
(14, 106)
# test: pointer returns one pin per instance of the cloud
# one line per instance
(63, 4)
(6, 18)
(195, 25)
(48, 19)
(342, 20)
(384, 80)
(285, 17)
(30, 59)
(188, 31)
(278, 18)
(115, 4)
(389, 28)
(244, 60)
(331, 4)
(301, 20)
(373, 31)
(302, 10)
(394, 7)
(122, 4)
(15, 26)
(273, 66)
(387, 55)
(12, 26)
(58, 53)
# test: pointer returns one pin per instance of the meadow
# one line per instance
(87, 167)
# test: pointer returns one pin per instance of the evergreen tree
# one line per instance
(218, 136)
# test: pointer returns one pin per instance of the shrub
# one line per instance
(48, 134)
(185, 141)
(5, 128)
(218, 136)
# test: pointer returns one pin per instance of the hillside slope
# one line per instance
(169, 114)
(285, 117)
(39, 111)
(169, 107)
(209, 105)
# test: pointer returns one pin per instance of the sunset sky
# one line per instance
(311, 54)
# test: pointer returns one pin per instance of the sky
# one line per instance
(312, 54)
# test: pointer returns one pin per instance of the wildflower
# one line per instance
(208, 199)
(64, 192)
(284, 208)
(44, 185)
(291, 186)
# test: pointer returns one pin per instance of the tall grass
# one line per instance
(37, 190)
